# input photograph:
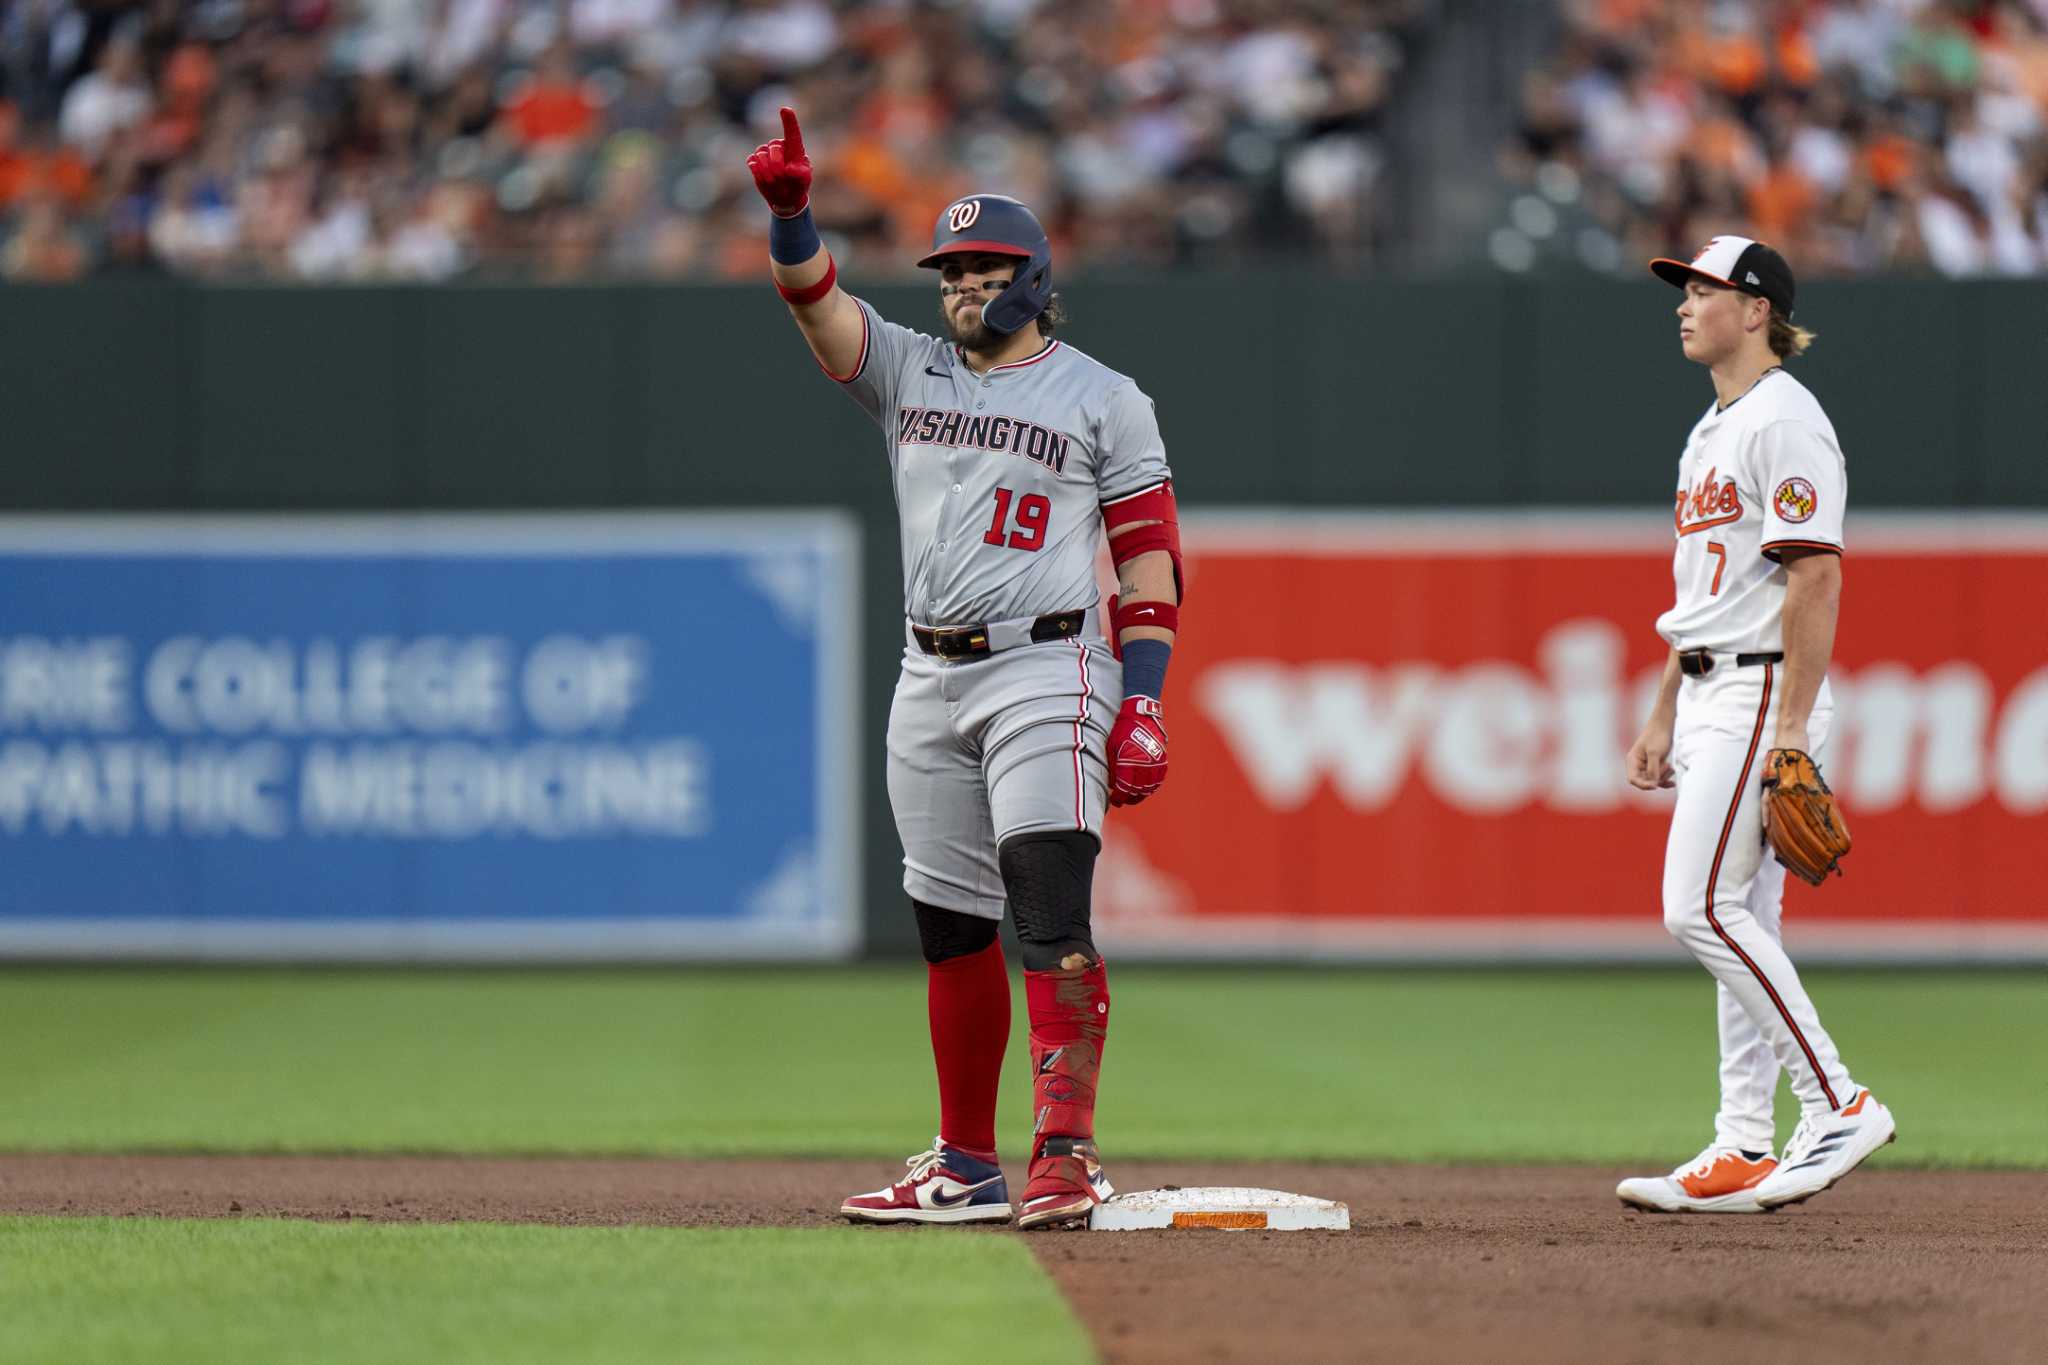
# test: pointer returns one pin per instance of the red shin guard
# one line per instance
(1069, 1019)
(969, 1002)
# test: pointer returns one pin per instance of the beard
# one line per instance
(968, 331)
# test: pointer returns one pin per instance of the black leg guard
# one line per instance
(1047, 878)
(947, 934)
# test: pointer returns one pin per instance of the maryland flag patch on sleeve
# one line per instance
(1795, 500)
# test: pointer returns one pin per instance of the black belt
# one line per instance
(1697, 663)
(971, 642)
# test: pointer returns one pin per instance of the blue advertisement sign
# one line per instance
(553, 737)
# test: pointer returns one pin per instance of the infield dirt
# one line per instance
(1441, 1264)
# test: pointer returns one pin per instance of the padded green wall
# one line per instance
(1272, 388)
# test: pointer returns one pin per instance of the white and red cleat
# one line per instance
(944, 1186)
(1067, 1182)
(1718, 1180)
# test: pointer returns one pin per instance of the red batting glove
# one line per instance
(1137, 751)
(782, 169)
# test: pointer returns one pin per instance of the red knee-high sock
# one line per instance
(1069, 1020)
(969, 1000)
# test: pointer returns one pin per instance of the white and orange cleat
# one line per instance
(1826, 1147)
(1718, 1180)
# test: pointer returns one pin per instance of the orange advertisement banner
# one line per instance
(1403, 736)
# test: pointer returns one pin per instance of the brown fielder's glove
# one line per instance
(1801, 818)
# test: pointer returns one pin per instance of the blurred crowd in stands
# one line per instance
(604, 139)
(1857, 135)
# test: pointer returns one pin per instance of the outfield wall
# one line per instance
(1409, 743)
(1283, 389)
(472, 738)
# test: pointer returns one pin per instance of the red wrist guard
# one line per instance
(1165, 615)
(813, 293)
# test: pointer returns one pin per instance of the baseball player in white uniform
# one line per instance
(1014, 722)
(1761, 493)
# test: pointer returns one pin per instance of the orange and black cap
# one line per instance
(1738, 263)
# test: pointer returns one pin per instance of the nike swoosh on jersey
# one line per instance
(946, 1193)
(935, 370)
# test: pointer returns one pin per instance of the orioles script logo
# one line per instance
(1707, 504)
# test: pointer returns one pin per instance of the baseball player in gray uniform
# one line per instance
(1014, 722)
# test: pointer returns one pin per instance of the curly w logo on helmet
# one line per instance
(961, 216)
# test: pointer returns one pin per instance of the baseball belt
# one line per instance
(1697, 663)
(975, 642)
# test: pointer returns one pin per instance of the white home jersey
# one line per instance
(1000, 477)
(1761, 475)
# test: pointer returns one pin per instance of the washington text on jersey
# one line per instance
(948, 427)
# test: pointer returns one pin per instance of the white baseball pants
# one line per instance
(1724, 900)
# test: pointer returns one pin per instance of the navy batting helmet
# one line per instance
(998, 224)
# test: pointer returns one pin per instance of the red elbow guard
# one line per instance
(1154, 505)
(811, 293)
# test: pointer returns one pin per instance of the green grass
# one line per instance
(170, 1291)
(1401, 1065)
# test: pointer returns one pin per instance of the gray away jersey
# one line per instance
(1000, 477)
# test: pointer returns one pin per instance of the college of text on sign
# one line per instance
(459, 737)
(1407, 733)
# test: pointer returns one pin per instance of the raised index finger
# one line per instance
(792, 136)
